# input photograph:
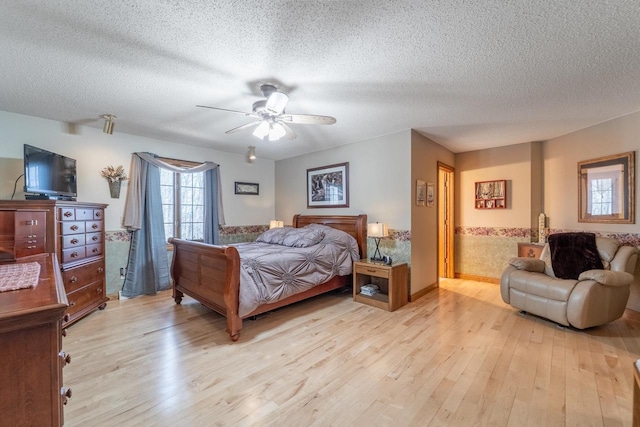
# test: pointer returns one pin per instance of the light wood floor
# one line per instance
(458, 356)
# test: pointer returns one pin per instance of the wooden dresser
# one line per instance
(22, 233)
(31, 349)
(74, 231)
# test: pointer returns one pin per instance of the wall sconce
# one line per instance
(108, 123)
(377, 231)
(276, 224)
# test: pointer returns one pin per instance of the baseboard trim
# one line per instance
(422, 292)
(477, 278)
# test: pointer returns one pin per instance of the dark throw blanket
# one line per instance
(573, 253)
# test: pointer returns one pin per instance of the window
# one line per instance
(182, 203)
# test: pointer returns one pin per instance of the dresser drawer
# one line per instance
(372, 270)
(67, 214)
(94, 250)
(84, 214)
(73, 254)
(30, 224)
(29, 246)
(93, 226)
(94, 238)
(72, 227)
(76, 278)
(84, 296)
(73, 240)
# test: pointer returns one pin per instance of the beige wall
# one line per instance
(561, 157)
(512, 163)
(425, 155)
(379, 180)
(94, 150)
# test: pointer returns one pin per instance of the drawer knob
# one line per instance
(64, 332)
(66, 394)
(66, 318)
(75, 255)
(94, 238)
(73, 279)
(94, 250)
(66, 358)
(98, 214)
(74, 227)
(31, 247)
(100, 270)
(99, 290)
(94, 226)
(74, 241)
(71, 304)
(67, 214)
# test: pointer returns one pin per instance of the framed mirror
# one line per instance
(606, 191)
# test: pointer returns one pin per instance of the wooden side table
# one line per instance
(531, 250)
(391, 279)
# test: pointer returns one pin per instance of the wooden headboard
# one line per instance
(355, 225)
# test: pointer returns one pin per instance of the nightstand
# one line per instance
(531, 250)
(391, 279)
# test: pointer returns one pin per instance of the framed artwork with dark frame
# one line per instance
(328, 186)
(250, 188)
(606, 189)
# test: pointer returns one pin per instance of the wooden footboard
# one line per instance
(211, 274)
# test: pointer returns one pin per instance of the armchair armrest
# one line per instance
(607, 277)
(534, 265)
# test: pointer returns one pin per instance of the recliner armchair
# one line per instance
(597, 297)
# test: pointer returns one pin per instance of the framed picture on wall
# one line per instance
(421, 192)
(431, 194)
(250, 188)
(491, 194)
(328, 186)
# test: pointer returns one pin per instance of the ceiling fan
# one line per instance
(272, 121)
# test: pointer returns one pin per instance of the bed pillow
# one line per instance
(338, 237)
(292, 237)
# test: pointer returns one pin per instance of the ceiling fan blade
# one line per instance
(224, 109)
(307, 119)
(289, 133)
(245, 126)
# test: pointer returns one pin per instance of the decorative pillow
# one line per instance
(303, 238)
(292, 237)
(573, 253)
(274, 236)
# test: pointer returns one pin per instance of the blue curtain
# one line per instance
(211, 197)
(148, 268)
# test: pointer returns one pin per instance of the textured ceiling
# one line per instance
(468, 74)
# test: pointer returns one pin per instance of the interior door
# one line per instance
(445, 221)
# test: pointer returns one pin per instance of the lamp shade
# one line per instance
(276, 224)
(377, 229)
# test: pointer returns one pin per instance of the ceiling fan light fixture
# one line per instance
(276, 102)
(262, 130)
(276, 132)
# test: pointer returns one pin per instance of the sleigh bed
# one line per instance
(211, 274)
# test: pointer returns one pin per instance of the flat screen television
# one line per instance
(48, 175)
